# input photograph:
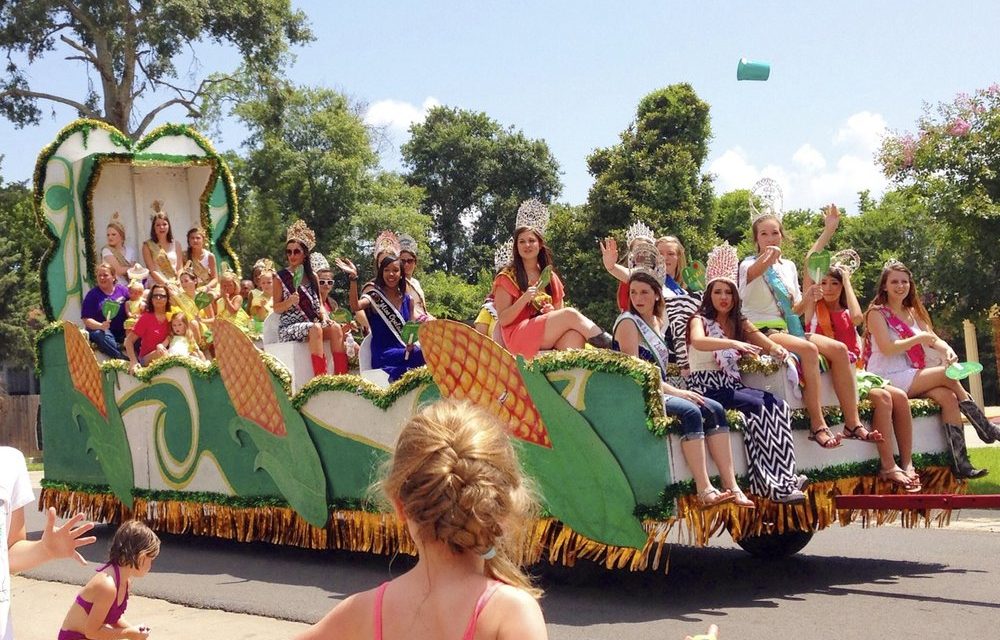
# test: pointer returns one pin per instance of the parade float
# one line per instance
(240, 449)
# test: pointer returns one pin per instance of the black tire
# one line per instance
(772, 546)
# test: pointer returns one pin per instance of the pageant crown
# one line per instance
(766, 200)
(318, 262)
(639, 231)
(893, 263)
(504, 254)
(386, 242)
(137, 272)
(264, 264)
(157, 208)
(408, 244)
(846, 260)
(301, 233)
(644, 256)
(722, 264)
(533, 215)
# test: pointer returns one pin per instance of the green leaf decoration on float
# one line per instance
(342, 315)
(962, 370)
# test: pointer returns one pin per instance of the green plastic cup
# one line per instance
(752, 70)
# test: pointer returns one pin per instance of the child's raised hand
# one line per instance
(713, 634)
(63, 542)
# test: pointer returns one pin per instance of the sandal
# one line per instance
(912, 474)
(862, 433)
(898, 478)
(741, 500)
(712, 497)
(828, 439)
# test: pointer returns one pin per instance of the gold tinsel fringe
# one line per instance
(552, 540)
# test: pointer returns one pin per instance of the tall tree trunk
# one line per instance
(994, 315)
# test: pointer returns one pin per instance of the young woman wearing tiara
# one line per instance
(835, 315)
(116, 253)
(772, 301)
(638, 332)
(532, 317)
(679, 304)
(454, 479)
(898, 332)
(161, 253)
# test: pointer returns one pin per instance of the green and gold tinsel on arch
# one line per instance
(72, 229)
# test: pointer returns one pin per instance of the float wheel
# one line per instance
(772, 546)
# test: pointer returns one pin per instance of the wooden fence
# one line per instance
(19, 424)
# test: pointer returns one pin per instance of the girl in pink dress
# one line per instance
(532, 319)
(455, 481)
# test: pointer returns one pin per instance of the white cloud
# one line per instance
(397, 114)
(808, 179)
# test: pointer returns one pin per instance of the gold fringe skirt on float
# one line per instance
(382, 533)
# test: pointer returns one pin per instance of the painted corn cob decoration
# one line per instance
(597, 500)
(96, 412)
(470, 366)
(265, 415)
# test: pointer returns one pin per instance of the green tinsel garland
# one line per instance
(383, 398)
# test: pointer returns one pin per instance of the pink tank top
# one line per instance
(470, 629)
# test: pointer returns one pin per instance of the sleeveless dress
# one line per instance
(388, 351)
(114, 613)
(294, 325)
(524, 335)
(470, 629)
(165, 260)
(124, 257)
(768, 432)
(896, 369)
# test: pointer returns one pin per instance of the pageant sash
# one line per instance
(389, 314)
(305, 297)
(914, 354)
(784, 302)
(727, 359)
(162, 260)
(672, 285)
(654, 343)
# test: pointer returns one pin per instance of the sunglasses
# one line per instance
(408, 260)
(159, 296)
(326, 283)
(293, 252)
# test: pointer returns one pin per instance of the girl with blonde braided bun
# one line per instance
(455, 481)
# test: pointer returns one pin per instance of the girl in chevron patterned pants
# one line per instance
(717, 336)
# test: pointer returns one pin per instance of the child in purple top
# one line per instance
(106, 333)
(102, 601)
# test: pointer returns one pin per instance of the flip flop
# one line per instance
(869, 435)
(712, 497)
(893, 476)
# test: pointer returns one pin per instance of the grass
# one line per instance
(36, 466)
(989, 458)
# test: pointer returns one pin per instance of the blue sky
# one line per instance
(572, 73)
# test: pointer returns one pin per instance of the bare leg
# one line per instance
(560, 321)
(335, 336)
(842, 372)
(570, 340)
(694, 456)
(902, 423)
(932, 383)
(720, 448)
(882, 403)
(809, 354)
(316, 340)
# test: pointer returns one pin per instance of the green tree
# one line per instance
(474, 174)
(952, 162)
(21, 247)
(130, 47)
(308, 156)
(654, 173)
(732, 216)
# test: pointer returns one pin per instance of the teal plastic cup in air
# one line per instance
(752, 70)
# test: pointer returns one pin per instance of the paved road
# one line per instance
(848, 583)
